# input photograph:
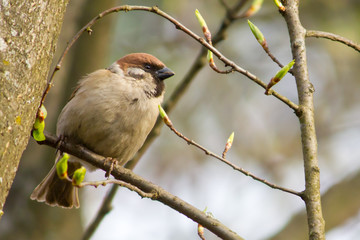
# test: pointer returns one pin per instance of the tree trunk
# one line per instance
(28, 34)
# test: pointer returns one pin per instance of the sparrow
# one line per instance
(111, 112)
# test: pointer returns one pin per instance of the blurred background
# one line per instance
(267, 141)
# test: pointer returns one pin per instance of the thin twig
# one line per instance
(268, 52)
(119, 183)
(198, 64)
(179, 91)
(178, 26)
(168, 123)
(157, 193)
(333, 37)
(110, 181)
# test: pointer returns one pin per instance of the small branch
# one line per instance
(228, 145)
(198, 64)
(267, 50)
(168, 123)
(178, 26)
(333, 37)
(96, 184)
(156, 193)
(119, 183)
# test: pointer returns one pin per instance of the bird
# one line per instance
(111, 112)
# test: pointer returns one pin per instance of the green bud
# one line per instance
(164, 116)
(79, 176)
(200, 19)
(279, 5)
(162, 112)
(279, 75)
(62, 166)
(38, 135)
(38, 130)
(257, 33)
(39, 124)
(231, 139)
(256, 5)
(283, 71)
(42, 112)
(254, 8)
(209, 56)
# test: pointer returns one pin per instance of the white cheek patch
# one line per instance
(136, 72)
(116, 69)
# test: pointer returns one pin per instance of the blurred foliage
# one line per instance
(266, 131)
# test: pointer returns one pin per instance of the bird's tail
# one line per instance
(57, 192)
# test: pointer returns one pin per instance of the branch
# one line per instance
(305, 89)
(333, 37)
(156, 192)
(337, 209)
(198, 64)
(179, 26)
(222, 159)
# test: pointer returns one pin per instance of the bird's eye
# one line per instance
(147, 66)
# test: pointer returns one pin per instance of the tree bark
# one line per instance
(311, 196)
(28, 34)
(340, 203)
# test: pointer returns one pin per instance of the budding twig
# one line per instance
(254, 8)
(79, 175)
(160, 194)
(279, 5)
(262, 41)
(200, 231)
(121, 184)
(228, 145)
(39, 125)
(207, 35)
(279, 75)
(179, 26)
(169, 124)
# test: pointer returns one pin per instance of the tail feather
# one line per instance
(57, 192)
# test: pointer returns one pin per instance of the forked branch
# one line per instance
(179, 26)
(151, 190)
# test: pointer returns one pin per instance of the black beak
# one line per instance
(164, 73)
